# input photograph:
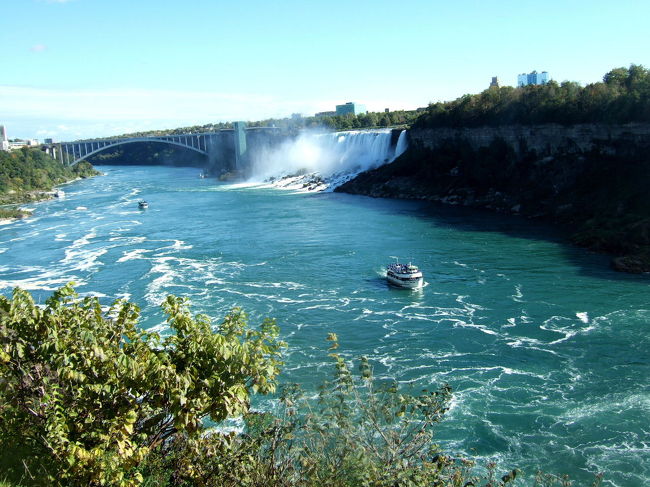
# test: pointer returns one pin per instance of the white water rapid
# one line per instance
(323, 161)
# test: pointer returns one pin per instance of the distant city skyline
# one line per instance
(85, 68)
(533, 78)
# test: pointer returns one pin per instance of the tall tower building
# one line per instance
(4, 143)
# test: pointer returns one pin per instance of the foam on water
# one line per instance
(133, 254)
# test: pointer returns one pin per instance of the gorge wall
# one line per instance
(593, 178)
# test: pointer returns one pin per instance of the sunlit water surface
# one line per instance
(547, 350)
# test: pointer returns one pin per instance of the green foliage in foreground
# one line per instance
(32, 170)
(87, 396)
(88, 399)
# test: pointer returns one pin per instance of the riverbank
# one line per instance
(29, 176)
(9, 215)
(11, 211)
(588, 178)
(10, 201)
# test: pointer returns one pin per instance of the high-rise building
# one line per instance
(532, 78)
(350, 107)
(495, 82)
(4, 143)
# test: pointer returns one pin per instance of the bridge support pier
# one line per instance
(241, 150)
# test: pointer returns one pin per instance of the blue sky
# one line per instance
(84, 68)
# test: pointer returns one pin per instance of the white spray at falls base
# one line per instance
(323, 161)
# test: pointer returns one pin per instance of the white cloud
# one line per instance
(70, 114)
(38, 48)
(131, 104)
(118, 111)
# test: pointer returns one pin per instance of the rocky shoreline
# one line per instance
(591, 179)
(14, 212)
(10, 210)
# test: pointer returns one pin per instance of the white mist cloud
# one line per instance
(323, 161)
(38, 48)
(325, 154)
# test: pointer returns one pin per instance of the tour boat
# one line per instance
(404, 275)
(59, 193)
(143, 205)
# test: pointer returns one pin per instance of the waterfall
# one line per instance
(319, 161)
(402, 144)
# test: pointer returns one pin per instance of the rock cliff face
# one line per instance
(595, 178)
(544, 140)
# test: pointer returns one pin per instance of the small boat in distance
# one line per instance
(143, 205)
(59, 193)
(404, 275)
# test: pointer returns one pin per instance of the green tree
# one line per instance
(616, 77)
(33, 170)
(89, 395)
(622, 97)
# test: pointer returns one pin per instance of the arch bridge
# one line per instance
(71, 153)
(228, 148)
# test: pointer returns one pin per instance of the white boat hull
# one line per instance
(409, 284)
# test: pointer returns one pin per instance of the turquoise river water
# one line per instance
(547, 350)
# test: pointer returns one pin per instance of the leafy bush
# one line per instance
(87, 396)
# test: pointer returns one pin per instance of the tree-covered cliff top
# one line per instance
(33, 170)
(622, 97)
